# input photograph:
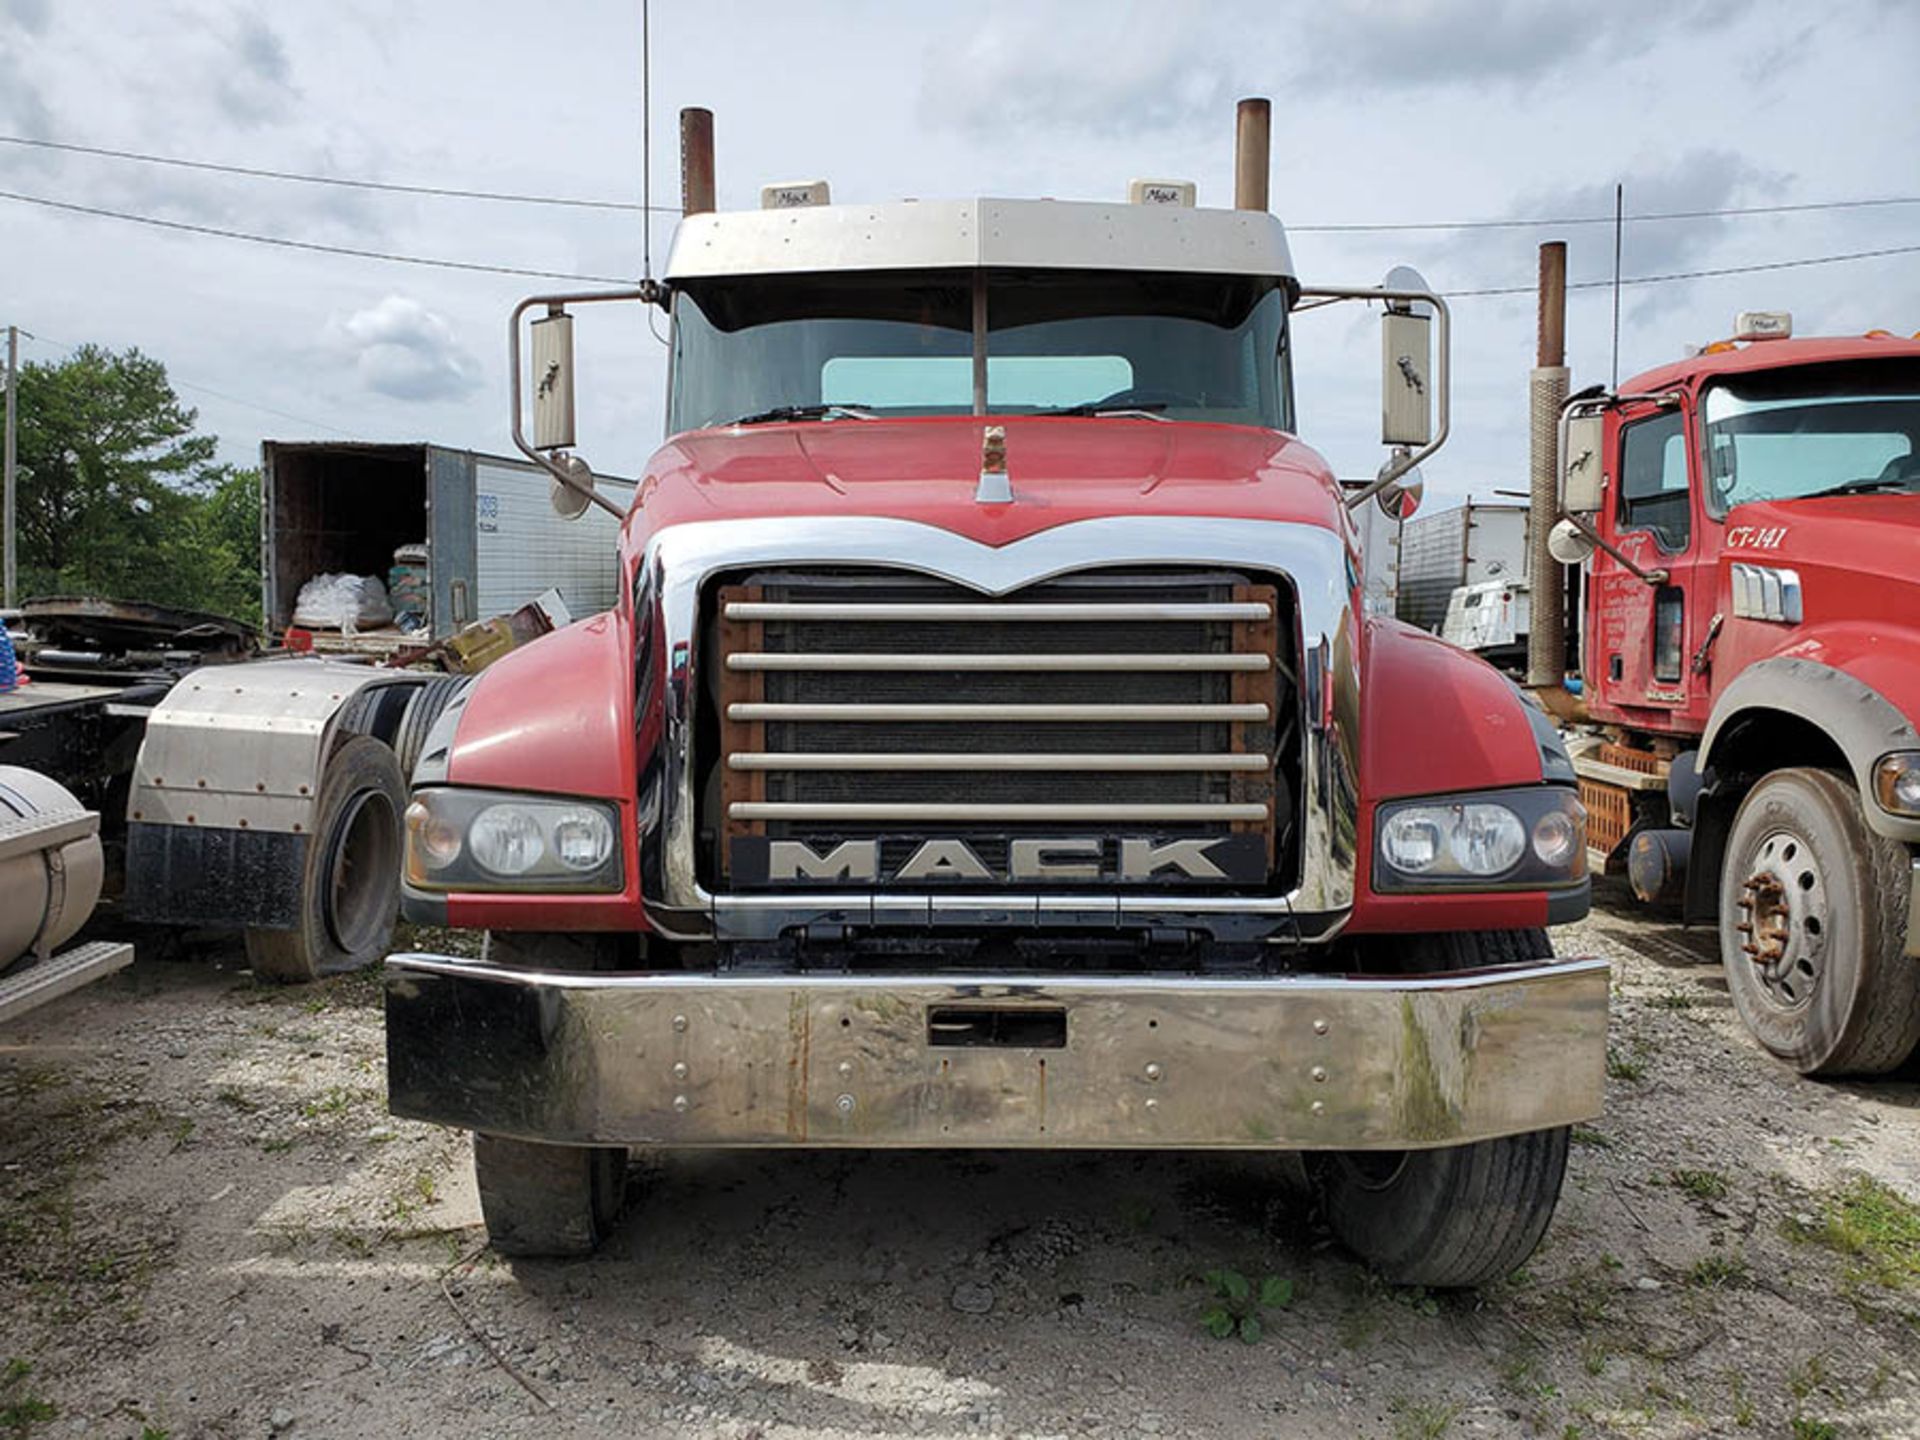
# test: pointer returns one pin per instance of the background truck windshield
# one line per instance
(1790, 434)
(1190, 347)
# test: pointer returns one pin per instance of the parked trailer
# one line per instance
(1467, 545)
(494, 542)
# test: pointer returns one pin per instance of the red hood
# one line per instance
(1062, 469)
(1854, 536)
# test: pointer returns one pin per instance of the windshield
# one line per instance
(1185, 347)
(1813, 430)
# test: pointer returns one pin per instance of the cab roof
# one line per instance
(969, 234)
(1769, 355)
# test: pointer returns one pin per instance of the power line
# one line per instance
(174, 379)
(629, 206)
(313, 245)
(1551, 222)
(1698, 274)
(473, 266)
(344, 182)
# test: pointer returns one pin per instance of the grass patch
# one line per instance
(1672, 1000)
(1586, 1135)
(1719, 1271)
(1415, 1420)
(1873, 1225)
(1700, 1184)
(1622, 1066)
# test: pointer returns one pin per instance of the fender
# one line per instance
(1438, 721)
(554, 717)
(1841, 682)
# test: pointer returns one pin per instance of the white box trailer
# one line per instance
(494, 542)
(1466, 545)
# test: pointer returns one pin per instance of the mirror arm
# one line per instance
(649, 292)
(1651, 577)
(1400, 464)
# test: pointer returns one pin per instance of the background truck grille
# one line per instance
(859, 705)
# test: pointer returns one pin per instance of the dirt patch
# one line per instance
(212, 1227)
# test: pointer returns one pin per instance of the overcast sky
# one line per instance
(1384, 111)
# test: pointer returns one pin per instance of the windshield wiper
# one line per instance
(1148, 411)
(1859, 487)
(806, 412)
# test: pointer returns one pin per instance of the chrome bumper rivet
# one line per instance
(844, 1104)
(679, 1069)
(680, 1022)
(1320, 1027)
(1153, 1071)
(1153, 1104)
(680, 1103)
(1319, 1073)
(846, 1069)
(1319, 1107)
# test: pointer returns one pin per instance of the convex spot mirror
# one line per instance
(1583, 468)
(1401, 497)
(570, 501)
(1569, 544)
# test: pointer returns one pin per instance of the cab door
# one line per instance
(1647, 634)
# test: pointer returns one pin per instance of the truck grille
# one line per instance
(891, 707)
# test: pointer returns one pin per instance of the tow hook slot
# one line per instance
(1005, 1028)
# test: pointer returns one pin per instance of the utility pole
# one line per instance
(13, 390)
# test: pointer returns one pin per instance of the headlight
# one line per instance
(489, 840)
(1896, 783)
(1534, 838)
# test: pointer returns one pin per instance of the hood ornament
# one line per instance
(995, 488)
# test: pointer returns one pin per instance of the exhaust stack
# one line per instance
(696, 161)
(1253, 131)
(1547, 392)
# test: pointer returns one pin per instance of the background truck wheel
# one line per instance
(1812, 925)
(548, 1200)
(1459, 1216)
(350, 893)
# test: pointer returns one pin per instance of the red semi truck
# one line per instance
(1750, 646)
(990, 747)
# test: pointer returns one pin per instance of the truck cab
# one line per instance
(990, 747)
(1749, 647)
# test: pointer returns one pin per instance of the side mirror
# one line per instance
(1401, 496)
(1583, 467)
(1569, 544)
(1406, 364)
(553, 421)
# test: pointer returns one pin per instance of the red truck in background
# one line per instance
(990, 747)
(1749, 519)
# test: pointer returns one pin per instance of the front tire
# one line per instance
(1812, 928)
(551, 1201)
(1458, 1216)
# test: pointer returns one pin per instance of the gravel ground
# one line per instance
(210, 1226)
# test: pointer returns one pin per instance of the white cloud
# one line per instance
(405, 351)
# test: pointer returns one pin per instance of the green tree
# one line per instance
(119, 497)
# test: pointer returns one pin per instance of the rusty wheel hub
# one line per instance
(1783, 919)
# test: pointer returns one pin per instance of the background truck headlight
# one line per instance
(1896, 782)
(1524, 839)
(480, 840)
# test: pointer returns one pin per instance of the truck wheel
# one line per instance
(1812, 907)
(1462, 1215)
(350, 893)
(548, 1200)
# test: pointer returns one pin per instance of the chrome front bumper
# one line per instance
(1031, 1061)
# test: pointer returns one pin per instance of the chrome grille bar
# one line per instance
(778, 710)
(1064, 610)
(975, 760)
(809, 810)
(952, 660)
